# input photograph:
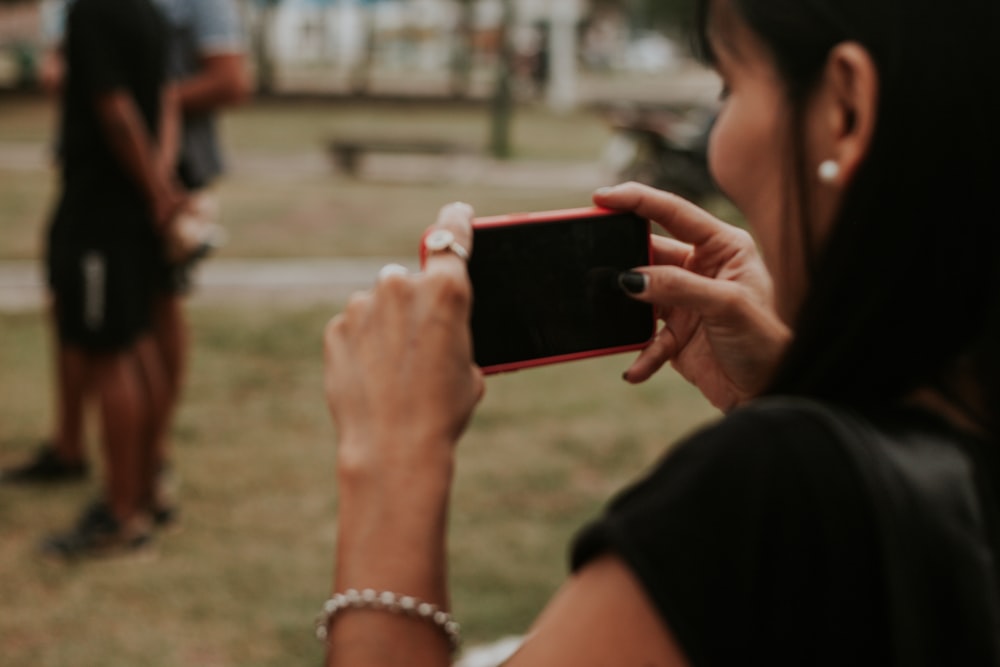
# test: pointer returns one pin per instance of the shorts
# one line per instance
(104, 280)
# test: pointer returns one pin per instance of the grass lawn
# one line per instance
(241, 581)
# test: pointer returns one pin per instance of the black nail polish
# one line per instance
(632, 282)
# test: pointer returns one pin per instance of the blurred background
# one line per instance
(368, 116)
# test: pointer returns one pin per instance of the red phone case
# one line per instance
(548, 216)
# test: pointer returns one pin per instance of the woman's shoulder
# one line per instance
(778, 435)
(765, 510)
(767, 441)
(774, 469)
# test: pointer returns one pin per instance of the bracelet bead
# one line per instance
(387, 601)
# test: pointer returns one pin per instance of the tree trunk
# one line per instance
(262, 30)
(361, 76)
(502, 107)
(461, 61)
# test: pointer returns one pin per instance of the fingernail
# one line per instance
(457, 206)
(625, 376)
(605, 191)
(633, 282)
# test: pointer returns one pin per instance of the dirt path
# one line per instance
(287, 282)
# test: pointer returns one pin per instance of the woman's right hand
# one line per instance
(401, 383)
(713, 293)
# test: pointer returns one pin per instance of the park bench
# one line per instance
(347, 154)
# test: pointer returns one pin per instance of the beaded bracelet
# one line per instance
(387, 601)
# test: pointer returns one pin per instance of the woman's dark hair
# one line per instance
(906, 290)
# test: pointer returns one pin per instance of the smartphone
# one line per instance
(545, 287)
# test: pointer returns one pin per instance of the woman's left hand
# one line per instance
(400, 380)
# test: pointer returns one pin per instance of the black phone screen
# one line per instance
(550, 289)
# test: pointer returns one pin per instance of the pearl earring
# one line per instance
(829, 171)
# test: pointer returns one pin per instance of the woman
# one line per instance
(842, 512)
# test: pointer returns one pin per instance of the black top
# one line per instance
(757, 541)
(111, 45)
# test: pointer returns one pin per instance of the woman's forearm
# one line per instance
(130, 142)
(392, 536)
(401, 386)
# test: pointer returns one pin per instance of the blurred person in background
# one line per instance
(843, 510)
(118, 141)
(208, 64)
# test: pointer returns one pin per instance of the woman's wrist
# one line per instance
(424, 465)
(392, 521)
(406, 555)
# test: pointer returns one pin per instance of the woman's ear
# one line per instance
(849, 95)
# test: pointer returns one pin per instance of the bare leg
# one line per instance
(152, 373)
(120, 519)
(124, 416)
(172, 342)
(63, 458)
(71, 390)
(71, 393)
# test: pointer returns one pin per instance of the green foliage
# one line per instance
(653, 14)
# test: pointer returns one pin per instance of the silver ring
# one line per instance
(443, 239)
(392, 270)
